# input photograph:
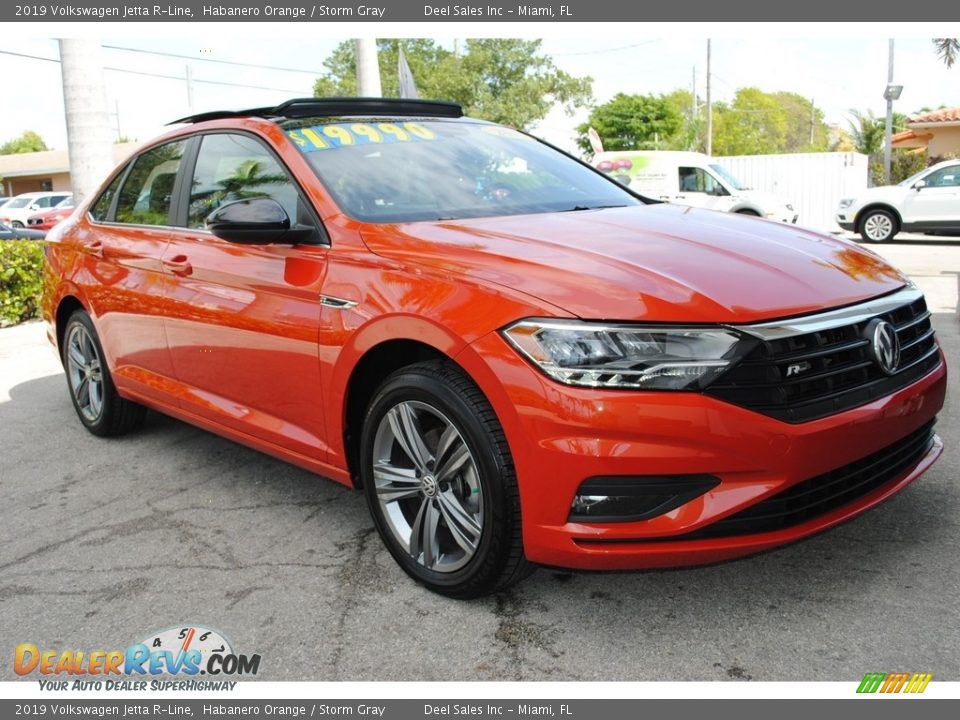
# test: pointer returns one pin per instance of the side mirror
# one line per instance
(257, 221)
(919, 185)
(33, 206)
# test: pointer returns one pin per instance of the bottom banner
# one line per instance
(406, 709)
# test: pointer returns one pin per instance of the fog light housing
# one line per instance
(629, 499)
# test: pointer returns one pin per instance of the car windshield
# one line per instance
(728, 177)
(400, 171)
(64, 204)
(20, 202)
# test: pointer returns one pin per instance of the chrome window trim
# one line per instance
(780, 329)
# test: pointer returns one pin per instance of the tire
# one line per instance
(17, 225)
(440, 483)
(878, 225)
(100, 408)
(748, 213)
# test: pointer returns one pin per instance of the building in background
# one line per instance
(47, 170)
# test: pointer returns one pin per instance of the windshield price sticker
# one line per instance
(325, 137)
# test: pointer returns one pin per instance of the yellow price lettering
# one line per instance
(338, 133)
(391, 129)
(317, 141)
(368, 132)
(419, 130)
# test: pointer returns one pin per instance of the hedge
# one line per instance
(21, 280)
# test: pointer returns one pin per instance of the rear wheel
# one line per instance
(440, 483)
(101, 410)
(878, 225)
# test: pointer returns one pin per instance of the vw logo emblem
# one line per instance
(884, 345)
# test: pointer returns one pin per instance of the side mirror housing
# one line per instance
(255, 221)
(919, 184)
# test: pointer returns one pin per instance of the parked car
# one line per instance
(926, 202)
(691, 178)
(16, 212)
(516, 358)
(9, 233)
(46, 220)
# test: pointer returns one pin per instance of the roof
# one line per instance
(50, 162)
(943, 115)
(911, 139)
(336, 106)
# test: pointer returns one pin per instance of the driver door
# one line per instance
(699, 188)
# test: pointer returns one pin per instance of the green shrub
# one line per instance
(21, 280)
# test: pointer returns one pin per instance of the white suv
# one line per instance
(16, 212)
(926, 202)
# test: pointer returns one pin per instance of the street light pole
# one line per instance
(888, 133)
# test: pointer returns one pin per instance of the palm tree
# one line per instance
(867, 132)
(947, 49)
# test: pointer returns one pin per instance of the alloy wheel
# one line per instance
(85, 372)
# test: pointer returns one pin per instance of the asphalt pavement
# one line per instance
(103, 542)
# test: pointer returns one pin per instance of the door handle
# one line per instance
(94, 248)
(178, 265)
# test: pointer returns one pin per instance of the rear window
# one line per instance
(404, 171)
(101, 208)
(147, 192)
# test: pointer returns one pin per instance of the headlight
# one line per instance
(627, 356)
(845, 203)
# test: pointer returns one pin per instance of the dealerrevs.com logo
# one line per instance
(188, 650)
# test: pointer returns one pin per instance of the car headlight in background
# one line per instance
(627, 356)
(845, 203)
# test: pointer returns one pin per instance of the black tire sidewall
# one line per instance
(491, 554)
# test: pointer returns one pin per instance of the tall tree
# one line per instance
(633, 122)
(28, 142)
(947, 49)
(759, 123)
(503, 80)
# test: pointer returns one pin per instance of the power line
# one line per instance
(606, 50)
(159, 75)
(215, 60)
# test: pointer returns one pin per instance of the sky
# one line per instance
(839, 68)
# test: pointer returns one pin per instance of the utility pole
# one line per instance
(88, 120)
(888, 133)
(693, 111)
(709, 106)
(368, 68)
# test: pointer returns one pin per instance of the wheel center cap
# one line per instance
(429, 485)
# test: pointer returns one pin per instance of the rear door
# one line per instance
(123, 274)
(243, 323)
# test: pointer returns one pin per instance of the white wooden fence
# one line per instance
(812, 182)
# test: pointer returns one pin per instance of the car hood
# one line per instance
(657, 263)
(761, 197)
(889, 193)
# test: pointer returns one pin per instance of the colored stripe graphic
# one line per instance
(894, 682)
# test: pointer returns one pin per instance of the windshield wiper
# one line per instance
(577, 208)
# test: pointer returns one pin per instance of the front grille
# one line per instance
(817, 496)
(34, 221)
(836, 370)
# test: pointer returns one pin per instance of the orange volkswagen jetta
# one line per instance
(517, 359)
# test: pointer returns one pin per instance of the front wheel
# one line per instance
(16, 224)
(440, 483)
(878, 226)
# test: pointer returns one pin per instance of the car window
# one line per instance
(695, 179)
(945, 177)
(148, 190)
(237, 167)
(430, 170)
(100, 209)
(20, 202)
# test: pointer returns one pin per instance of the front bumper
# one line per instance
(846, 220)
(560, 435)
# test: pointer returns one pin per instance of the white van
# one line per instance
(690, 178)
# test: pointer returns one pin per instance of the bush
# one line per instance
(903, 164)
(21, 280)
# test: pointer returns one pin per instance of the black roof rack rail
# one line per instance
(334, 106)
